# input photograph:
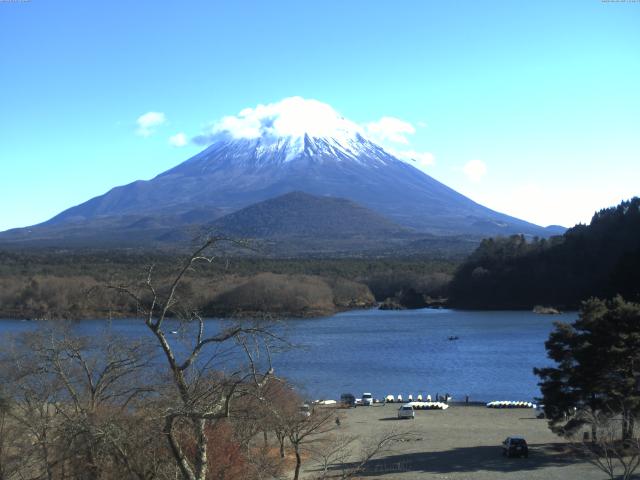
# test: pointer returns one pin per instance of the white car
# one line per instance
(304, 410)
(367, 399)
(406, 411)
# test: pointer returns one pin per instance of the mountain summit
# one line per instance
(295, 145)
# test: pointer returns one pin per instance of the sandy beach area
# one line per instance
(462, 442)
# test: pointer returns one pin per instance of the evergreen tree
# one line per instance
(597, 366)
(598, 260)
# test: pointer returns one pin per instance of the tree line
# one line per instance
(601, 259)
(55, 285)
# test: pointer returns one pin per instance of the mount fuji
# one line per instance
(295, 145)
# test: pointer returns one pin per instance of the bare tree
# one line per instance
(33, 393)
(75, 399)
(346, 456)
(99, 382)
(202, 393)
(615, 457)
(303, 431)
(12, 443)
(335, 451)
(103, 407)
(278, 406)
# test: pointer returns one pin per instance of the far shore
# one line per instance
(276, 315)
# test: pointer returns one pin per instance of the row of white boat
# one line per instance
(419, 398)
(419, 405)
(428, 405)
(510, 404)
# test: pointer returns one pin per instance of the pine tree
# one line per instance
(597, 366)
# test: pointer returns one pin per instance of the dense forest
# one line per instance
(70, 284)
(601, 259)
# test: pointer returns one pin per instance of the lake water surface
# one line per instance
(392, 352)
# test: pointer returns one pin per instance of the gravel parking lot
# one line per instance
(463, 442)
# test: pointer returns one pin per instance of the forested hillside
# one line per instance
(600, 259)
(65, 284)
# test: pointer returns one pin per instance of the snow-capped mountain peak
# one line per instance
(295, 145)
(280, 150)
(292, 129)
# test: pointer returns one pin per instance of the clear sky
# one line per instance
(531, 108)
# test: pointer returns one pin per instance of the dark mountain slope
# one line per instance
(229, 176)
(299, 214)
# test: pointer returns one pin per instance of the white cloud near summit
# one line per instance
(148, 122)
(390, 129)
(295, 116)
(392, 133)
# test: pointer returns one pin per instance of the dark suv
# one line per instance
(348, 400)
(515, 447)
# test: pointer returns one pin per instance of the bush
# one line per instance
(283, 294)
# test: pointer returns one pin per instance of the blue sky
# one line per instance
(531, 108)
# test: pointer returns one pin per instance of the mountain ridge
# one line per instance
(230, 175)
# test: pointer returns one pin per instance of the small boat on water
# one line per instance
(453, 337)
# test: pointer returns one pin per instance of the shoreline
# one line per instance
(249, 315)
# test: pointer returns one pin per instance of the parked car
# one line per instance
(515, 447)
(348, 400)
(406, 411)
(367, 399)
(304, 410)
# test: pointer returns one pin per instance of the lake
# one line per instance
(399, 352)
